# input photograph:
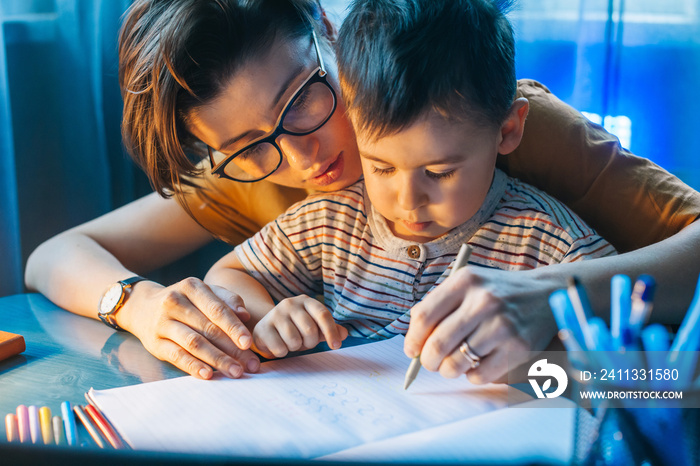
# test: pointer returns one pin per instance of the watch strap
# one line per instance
(126, 284)
(130, 281)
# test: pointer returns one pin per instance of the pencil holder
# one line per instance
(638, 436)
(640, 381)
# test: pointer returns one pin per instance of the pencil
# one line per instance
(89, 425)
(462, 258)
(104, 426)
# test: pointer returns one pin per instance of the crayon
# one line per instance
(11, 428)
(23, 423)
(59, 435)
(45, 424)
(69, 423)
(34, 426)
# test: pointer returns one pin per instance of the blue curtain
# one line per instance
(62, 163)
(62, 160)
(10, 261)
(632, 65)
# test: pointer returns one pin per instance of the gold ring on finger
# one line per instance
(473, 358)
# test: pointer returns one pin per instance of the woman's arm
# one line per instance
(673, 262)
(174, 323)
(510, 311)
(74, 268)
(628, 200)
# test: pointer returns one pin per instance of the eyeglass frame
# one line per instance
(318, 75)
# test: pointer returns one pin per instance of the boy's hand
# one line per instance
(295, 324)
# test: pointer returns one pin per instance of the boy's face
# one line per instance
(430, 177)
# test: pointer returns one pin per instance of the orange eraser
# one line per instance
(10, 344)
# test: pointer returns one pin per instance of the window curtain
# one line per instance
(62, 162)
(10, 260)
(636, 62)
(631, 65)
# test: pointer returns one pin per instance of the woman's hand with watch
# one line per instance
(189, 324)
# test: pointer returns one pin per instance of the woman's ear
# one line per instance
(512, 129)
(330, 30)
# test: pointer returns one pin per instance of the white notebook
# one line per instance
(302, 407)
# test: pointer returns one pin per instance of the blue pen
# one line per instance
(683, 353)
(570, 332)
(604, 356)
(655, 337)
(620, 305)
(69, 423)
(655, 340)
(564, 315)
(601, 334)
(579, 304)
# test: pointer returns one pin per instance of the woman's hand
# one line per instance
(296, 324)
(193, 326)
(502, 315)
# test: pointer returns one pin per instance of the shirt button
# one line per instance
(413, 251)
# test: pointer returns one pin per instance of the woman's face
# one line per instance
(253, 99)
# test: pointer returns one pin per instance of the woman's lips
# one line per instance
(332, 173)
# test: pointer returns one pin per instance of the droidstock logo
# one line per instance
(543, 370)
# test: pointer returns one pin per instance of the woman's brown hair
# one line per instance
(176, 55)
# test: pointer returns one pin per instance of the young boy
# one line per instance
(430, 88)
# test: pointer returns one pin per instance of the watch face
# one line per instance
(110, 298)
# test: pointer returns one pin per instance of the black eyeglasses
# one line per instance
(311, 106)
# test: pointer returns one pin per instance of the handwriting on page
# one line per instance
(301, 407)
(340, 404)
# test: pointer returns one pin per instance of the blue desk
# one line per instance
(66, 355)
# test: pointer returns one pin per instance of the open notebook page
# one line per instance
(532, 432)
(302, 407)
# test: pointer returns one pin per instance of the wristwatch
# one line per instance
(113, 300)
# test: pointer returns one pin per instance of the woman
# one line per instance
(203, 79)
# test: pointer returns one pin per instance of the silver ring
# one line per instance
(470, 355)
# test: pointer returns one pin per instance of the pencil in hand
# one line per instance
(462, 258)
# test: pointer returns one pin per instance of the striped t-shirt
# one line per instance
(338, 246)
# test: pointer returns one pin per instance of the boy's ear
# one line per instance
(512, 128)
(330, 29)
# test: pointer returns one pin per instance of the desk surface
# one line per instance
(66, 355)
(69, 354)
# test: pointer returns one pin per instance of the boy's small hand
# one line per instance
(295, 324)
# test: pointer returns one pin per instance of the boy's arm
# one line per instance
(296, 323)
(228, 273)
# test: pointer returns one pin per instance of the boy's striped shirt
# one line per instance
(336, 245)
